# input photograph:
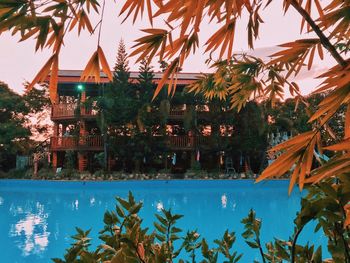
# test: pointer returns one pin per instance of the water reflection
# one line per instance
(31, 232)
(92, 201)
(1, 200)
(224, 201)
(76, 205)
(160, 206)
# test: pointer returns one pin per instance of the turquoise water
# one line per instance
(38, 217)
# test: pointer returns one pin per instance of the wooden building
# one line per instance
(70, 110)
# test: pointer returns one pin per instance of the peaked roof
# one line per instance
(73, 76)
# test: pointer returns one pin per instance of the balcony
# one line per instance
(184, 142)
(179, 115)
(176, 114)
(95, 143)
(87, 143)
(69, 111)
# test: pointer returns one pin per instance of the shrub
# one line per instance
(16, 174)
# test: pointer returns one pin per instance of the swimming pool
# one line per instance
(38, 217)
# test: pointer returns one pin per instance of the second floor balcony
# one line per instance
(71, 111)
(68, 111)
(96, 142)
(73, 143)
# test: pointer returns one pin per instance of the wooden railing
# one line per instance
(63, 110)
(176, 114)
(179, 114)
(182, 142)
(70, 110)
(93, 142)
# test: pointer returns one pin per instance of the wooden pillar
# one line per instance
(55, 129)
(54, 160)
(82, 156)
(82, 100)
(82, 161)
(35, 164)
(83, 96)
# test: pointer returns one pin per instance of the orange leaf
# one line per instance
(43, 73)
(104, 63)
(301, 138)
(168, 72)
(293, 178)
(342, 146)
(54, 80)
(92, 69)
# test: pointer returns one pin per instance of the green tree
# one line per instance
(14, 136)
(18, 126)
(121, 67)
(249, 139)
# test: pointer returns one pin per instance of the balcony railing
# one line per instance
(93, 142)
(70, 111)
(176, 114)
(179, 114)
(183, 142)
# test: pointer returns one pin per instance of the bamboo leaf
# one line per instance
(104, 64)
(43, 73)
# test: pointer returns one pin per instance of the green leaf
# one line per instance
(161, 219)
(252, 244)
(124, 203)
(160, 228)
(120, 211)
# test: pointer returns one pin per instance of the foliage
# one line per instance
(39, 108)
(292, 116)
(14, 134)
(15, 114)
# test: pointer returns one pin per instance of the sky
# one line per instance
(19, 62)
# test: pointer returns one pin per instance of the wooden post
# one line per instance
(54, 160)
(82, 161)
(55, 129)
(35, 164)
(83, 99)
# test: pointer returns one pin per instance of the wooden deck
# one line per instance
(69, 111)
(87, 143)
(95, 143)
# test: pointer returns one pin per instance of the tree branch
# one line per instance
(292, 253)
(324, 40)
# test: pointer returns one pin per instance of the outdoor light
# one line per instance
(80, 87)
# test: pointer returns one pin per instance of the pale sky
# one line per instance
(19, 62)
